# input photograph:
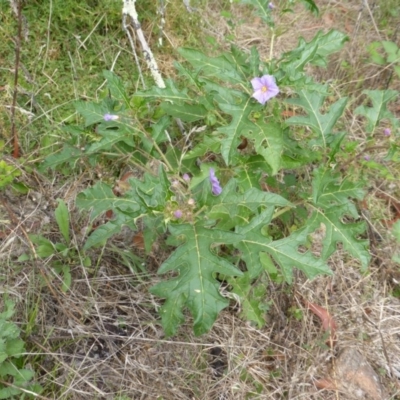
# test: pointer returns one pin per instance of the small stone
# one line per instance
(355, 375)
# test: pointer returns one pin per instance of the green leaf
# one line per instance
(378, 111)
(336, 231)
(151, 193)
(293, 62)
(92, 113)
(110, 137)
(377, 58)
(248, 173)
(328, 43)
(330, 189)
(390, 47)
(254, 61)
(9, 392)
(220, 67)
(240, 125)
(233, 209)
(332, 205)
(186, 112)
(252, 299)
(116, 87)
(207, 143)
(100, 198)
(169, 93)
(221, 93)
(157, 133)
(3, 356)
(393, 58)
(142, 197)
(9, 310)
(310, 5)
(196, 286)
(315, 52)
(8, 368)
(268, 142)
(105, 231)
(262, 10)
(321, 124)
(62, 217)
(68, 154)
(45, 247)
(66, 278)
(285, 252)
(15, 347)
(8, 329)
(7, 173)
(396, 230)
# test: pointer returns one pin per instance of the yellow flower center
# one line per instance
(264, 89)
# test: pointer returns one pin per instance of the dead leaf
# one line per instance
(329, 19)
(123, 185)
(288, 113)
(138, 241)
(325, 383)
(327, 321)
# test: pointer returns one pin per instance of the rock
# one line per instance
(354, 375)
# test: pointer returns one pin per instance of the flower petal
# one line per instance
(215, 186)
(260, 96)
(110, 117)
(257, 83)
(264, 88)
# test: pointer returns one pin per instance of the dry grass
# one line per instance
(103, 339)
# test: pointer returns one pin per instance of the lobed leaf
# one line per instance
(315, 52)
(234, 209)
(337, 232)
(116, 87)
(378, 111)
(220, 67)
(321, 124)
(196, 286)
(100, 198)
(252, 298)
(169, 93)
(330, 189)
(285, 252)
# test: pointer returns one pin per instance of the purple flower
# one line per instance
(110, 117)
(215, 186)
(271, 6)
(387, 131)
(186, 177)
(367, 157)
(264, 88)
(178, 214)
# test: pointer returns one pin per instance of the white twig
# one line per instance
(161, 11)
(126, 26)
(129, 9)
(187, 5)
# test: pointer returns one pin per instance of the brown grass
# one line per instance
(103, 337)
